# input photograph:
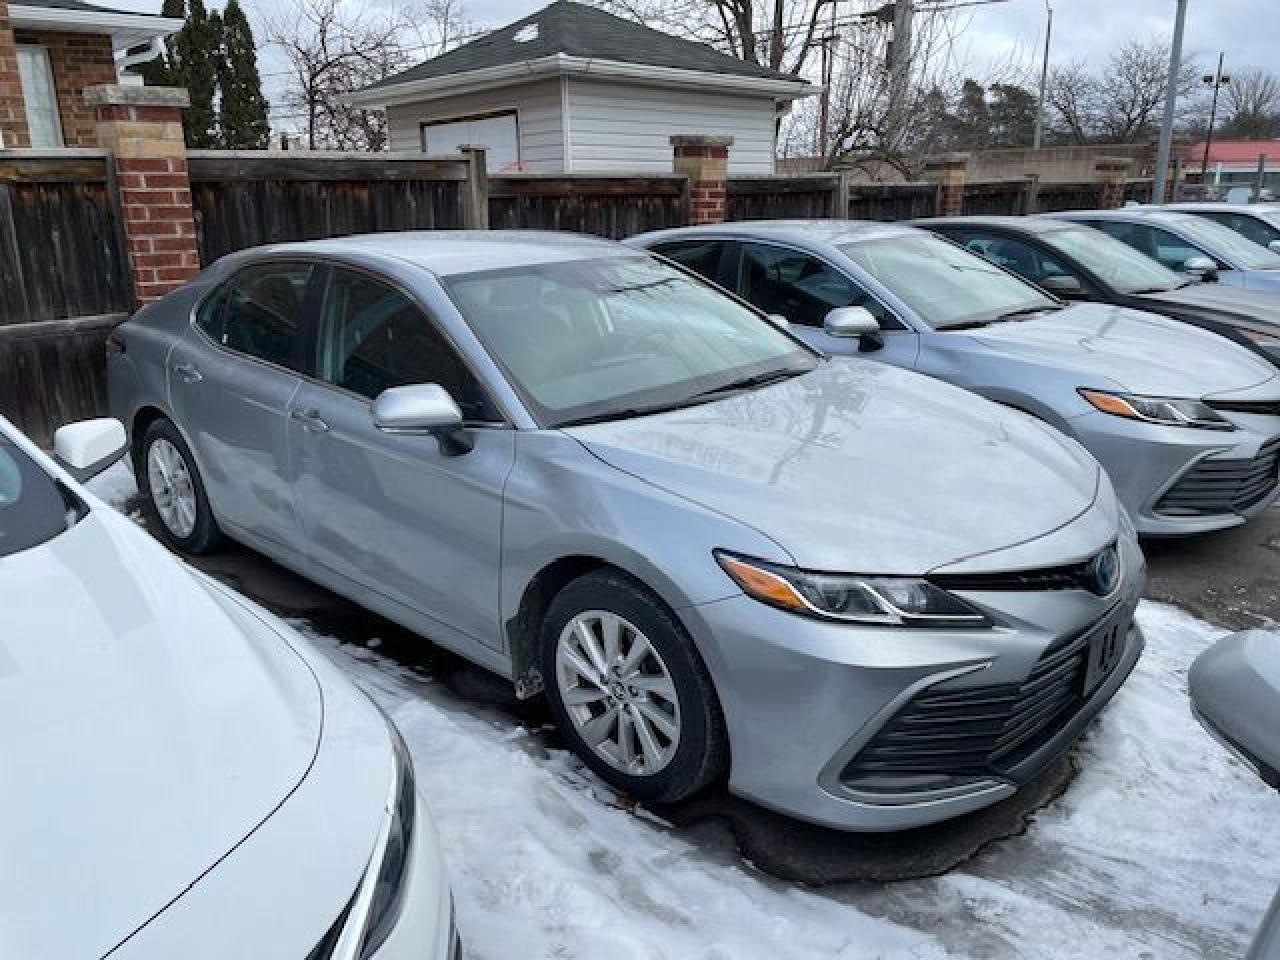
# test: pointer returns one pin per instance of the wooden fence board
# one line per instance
(612, 207)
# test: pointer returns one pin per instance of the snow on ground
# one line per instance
(1164, 848)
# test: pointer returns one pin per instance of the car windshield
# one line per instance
(34, 508)
(1118, 264)
(621, 336)
(945, 285)
(1224, 242)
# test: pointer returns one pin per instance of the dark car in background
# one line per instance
(1077, 262)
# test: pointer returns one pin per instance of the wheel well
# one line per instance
(141, 421)
(523, 629)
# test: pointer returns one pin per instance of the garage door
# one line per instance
(499, 133)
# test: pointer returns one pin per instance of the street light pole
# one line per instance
(1159, 189)
(1044, 77)
(1218, 81)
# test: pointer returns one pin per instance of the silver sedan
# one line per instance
(865, 597)
(1186, 422)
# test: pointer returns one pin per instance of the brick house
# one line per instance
(51, 51)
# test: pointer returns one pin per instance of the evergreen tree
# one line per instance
(971, 124)
(1013, 115)
(193, 64)
(242, 109)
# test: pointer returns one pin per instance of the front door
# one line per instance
(392, 513)
(231, 382)
(804, 289)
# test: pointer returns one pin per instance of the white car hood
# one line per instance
(145, 730)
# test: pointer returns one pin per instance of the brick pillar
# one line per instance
(1114, 174)
(142, 128)
(950, 170)
(13, 112)
(705, 161)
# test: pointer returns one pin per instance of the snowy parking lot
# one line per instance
(1163, 847)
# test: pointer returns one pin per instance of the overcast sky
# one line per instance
(1010, 32)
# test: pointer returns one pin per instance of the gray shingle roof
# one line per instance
(577, 30)
(76, 5)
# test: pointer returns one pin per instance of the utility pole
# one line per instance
(900, 57)
(1217, 81)
(1044, 76)
(1159, 189)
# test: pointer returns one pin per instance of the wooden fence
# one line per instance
(807, 196)
(61, 249)
(245, 200)
(607, 206)
(892, 201)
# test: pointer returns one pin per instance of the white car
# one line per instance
(183, 777)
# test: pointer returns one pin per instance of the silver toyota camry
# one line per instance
(1186, 422)
(865, 597)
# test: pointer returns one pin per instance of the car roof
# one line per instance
(798, 231)
(1020, 224)
(1224, 207)
(1126, 213)
(448, 252)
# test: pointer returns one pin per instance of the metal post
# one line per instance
(900, 66)
(1218, 81)
(1262, 175)
(1159, 190)
(1044, 77)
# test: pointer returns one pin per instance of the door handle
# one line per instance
(188, 372)
(311, 420)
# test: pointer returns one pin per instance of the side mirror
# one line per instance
(423, 409)
(87, 448)
(850, 322)
(1202, 268)
(779, 321)
(1274, 246)
(1235, 693)
(1064, 286)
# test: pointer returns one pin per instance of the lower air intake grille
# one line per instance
(1215, 486)
(980, 731)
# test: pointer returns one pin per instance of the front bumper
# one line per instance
(802, 698)
(1150, 464)
(426, 928)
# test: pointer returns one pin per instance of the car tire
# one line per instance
(173, 497)
(665, 713)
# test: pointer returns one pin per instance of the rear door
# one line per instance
(393, 513)
(231, 381)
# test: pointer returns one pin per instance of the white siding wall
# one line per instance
(538, 110)
(623, 128)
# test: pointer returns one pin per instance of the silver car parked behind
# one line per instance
(870, 599)
(1186, 422)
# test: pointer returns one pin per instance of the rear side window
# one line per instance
(1259, 231)
(373, 337)
(258, 312)
(700, 256)
(33, 507)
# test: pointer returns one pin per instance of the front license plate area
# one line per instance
(1106, 648)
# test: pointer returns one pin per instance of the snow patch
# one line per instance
(526, 34)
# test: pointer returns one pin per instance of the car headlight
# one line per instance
(889, 601)
(1169, 411)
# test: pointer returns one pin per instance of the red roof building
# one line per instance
(1235, 155)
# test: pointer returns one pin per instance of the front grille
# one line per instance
(980, 731)
(1216, 486)
(1267, 408)
(1074, 576)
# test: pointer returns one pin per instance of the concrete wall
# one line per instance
(1053, 164)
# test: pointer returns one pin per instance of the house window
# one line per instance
(498, 132)
(40, 96)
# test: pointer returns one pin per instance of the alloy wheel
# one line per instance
(172, 489)
(618, 692)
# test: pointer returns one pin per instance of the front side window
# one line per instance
(798, 286)
(1227, 244)
(1119, 265)
(33, 507)
(40, 96)
(1022, 258)
(944, 284)
(373, 337)
(618, 336)
(1252, 228)
(258, 312)
(700, 256)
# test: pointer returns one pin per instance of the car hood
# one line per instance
(146, 729)
(1224, 300)
(862, 467)
(1135, 351)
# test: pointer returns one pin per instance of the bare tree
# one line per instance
(1253, 104)
(437, 26)
(1070, 96)
(332, 51)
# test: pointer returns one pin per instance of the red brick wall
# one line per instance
(13, 117)
(78, 60)
(156, 197)
(706, 166)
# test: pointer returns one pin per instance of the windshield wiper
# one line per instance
(747, 383)
(1031, 311)
(1148, 290)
